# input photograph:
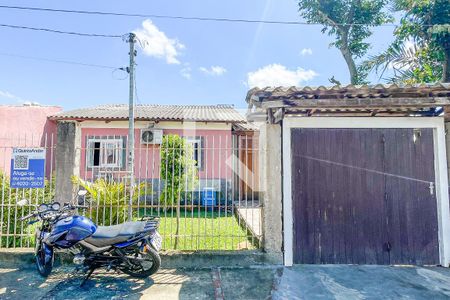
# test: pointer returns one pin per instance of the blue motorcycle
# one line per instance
(130, 247)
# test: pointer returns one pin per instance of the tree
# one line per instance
(349, 21)
(425, 27)
(179, 170)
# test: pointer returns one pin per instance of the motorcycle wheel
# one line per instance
(43, 268)
(150, 265)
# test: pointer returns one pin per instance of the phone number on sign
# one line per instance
(24, 183)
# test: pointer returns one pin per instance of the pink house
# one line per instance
(26, 126)
(217, 134)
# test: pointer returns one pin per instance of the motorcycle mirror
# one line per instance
(22, 202)
(82, 193)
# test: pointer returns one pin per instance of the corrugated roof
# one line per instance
(349, 92)
(156, 112)
(245, 127)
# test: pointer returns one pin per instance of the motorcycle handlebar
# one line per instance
(27, 217)
(71, 207)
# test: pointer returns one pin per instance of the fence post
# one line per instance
(67, 159)
(271, 188)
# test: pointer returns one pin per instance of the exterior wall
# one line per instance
(270, 153)
(217, 150)
(66, 160)
(26, 126)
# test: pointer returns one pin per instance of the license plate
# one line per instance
(156, 241)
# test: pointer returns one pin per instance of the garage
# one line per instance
(364, 196)
(364, 176)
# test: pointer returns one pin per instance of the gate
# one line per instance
(364, 196)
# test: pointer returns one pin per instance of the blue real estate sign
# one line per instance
(27, 168)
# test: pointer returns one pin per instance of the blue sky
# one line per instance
(188, 62)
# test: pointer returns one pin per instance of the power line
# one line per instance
(60, 31)
(136, 15)
(59, 61)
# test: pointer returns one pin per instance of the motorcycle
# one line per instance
(130, 247)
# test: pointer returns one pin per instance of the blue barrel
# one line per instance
(209, 197)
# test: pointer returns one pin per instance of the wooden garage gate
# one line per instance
(364, 196)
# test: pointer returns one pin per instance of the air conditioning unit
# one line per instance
(151, 136)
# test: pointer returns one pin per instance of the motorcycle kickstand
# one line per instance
(88, 275)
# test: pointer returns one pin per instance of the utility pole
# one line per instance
(131, 40)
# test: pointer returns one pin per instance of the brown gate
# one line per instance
(364, 196)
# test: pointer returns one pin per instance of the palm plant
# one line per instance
(409, 63)
(109, 199)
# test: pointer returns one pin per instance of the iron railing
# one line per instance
(206, 194)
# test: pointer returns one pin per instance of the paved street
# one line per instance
(238, 283)
(299, 282)
(344, 282)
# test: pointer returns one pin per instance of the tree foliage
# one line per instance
(424, 27)
(179, 171)
(349, 22)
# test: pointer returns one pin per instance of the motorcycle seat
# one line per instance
(109, 235)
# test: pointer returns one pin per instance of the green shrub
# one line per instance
(178, 170)
(21, 235)
(110, 200)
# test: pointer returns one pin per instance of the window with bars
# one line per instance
(197, 144)
(105, 152)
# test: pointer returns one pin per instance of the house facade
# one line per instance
(220, 137)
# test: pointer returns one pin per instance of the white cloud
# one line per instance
(306, 51)
(8, 95)
(186, 71)
(214, 70)
(157, 44)
(278, 75)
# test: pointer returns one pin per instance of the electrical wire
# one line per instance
(60, 31)
(60, 61)
(110, 13)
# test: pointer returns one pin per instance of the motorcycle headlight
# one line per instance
(56, 206)
(43, 207)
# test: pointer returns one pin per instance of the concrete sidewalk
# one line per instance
(342, 282)
(345, 282)
(214, 283)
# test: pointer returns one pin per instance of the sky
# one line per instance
(180, 62)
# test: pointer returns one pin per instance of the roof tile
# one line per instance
(156, 112)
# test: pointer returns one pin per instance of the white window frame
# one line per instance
(440, 168)
(118, 149)
(198, 141)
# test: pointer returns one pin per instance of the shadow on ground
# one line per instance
(253, 283)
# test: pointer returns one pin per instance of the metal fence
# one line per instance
(204, 189)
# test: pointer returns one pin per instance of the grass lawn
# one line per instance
(202, 230)
(199, 230)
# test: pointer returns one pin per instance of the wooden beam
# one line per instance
(270, 116)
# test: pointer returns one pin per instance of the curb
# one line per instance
(170, 259)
